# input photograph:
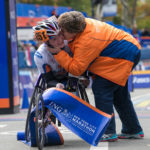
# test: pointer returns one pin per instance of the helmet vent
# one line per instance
(37, 28)
(44, 27)
(56, 25)
(50, 26)
(50, 32)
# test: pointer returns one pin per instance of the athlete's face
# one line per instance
(67, 35)
(57, 41)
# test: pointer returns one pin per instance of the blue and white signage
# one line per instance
(141, 79)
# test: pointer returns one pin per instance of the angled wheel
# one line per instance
(83, 93)
(39, 122)
(32, 104)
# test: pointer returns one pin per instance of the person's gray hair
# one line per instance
(72, 22)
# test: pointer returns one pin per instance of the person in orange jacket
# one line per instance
(110, 54)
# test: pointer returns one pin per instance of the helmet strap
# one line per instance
(49, 45)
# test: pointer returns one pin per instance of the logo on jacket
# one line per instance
(38, 55)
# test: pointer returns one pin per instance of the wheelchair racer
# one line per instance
(48, 32)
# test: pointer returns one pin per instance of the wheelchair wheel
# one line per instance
(39, 122)
(83, 93)
(32, 104)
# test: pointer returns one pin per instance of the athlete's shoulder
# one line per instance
(41, 51)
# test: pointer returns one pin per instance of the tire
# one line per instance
(83, 93)
(32, 104)
(39, 122)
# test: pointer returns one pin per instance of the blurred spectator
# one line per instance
(21, 46)
(145, 32)
(32, 48)
(135, 32)
(140, 66)
(54, 13)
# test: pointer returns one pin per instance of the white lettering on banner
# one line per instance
(141, 80)
(68, 115)
(74, 119)
(31, 13)
(56, 107)
(83, 125)
(12, 15)
(13, 38)
(20, 86)
(15, 83)
(15, 61)
(28, 86)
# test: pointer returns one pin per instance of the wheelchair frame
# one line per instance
(40, 120)
(39, 88)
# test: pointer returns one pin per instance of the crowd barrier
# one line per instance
(141, 79)
(25, 83)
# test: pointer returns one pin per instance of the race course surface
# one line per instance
(12, 123)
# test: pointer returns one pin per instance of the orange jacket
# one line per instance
(103, 50)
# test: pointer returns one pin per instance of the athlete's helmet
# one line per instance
(46, 29)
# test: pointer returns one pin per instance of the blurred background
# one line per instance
(18, 71)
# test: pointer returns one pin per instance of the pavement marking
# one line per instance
(63, 129)
(144, 103)
(3, 125)
(13, 118)
(9, 133)
(141, 98)
(100, 146)
(141, 101)
(137, 97)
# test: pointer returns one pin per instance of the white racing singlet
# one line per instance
(43, 57)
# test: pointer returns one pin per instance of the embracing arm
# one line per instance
(80, 61)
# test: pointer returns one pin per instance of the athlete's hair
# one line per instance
(72, 22)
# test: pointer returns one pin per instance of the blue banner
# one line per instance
(14, 51)
(25, 83)
(32, 10)
(3, 55)
(130, 83)
(84, 120)
(141, 80)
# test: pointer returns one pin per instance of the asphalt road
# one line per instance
(11, 124)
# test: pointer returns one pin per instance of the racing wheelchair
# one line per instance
(43, 117)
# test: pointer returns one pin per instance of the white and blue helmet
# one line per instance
(46, 29)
